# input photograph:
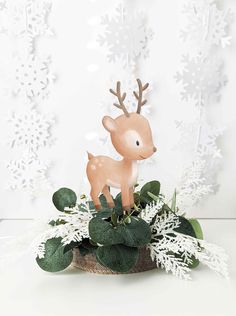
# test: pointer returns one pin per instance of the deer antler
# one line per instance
(139, 95)
(120, 98)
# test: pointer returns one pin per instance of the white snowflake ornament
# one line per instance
(199, 137)
(30, 130)
(27, 173)
(207, 24)
(26, 20)
(202, 79)
(32, 77)
(126, 36)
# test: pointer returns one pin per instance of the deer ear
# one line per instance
(109, 124)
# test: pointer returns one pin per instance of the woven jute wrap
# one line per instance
(89, 263)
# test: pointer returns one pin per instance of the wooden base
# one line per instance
(89, 263)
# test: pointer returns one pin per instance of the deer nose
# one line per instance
(154, 149)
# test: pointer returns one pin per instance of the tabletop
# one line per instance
(27, 290)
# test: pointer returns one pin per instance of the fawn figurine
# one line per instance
(132, 138)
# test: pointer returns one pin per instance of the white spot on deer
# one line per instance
(93, 167)
(131, 137)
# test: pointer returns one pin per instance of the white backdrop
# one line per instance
(78, 100)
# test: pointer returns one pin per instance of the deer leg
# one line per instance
(94, 193)
(131, 197)
(108, 196)
(125, 199)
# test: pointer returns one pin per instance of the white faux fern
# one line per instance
(167, 243)
(74, 229)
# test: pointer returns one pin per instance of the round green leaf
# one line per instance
(196, 227)
(118, 258)
(135, 234)
(55, 259)
(64, 197)
(152, 187)
(103, 232)
(185, 227)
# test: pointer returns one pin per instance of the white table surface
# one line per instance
(27, 290)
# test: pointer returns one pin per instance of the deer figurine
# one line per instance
(131, 136)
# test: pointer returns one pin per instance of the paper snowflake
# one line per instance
(126, 36)
(31, 130)
(2, 5)
(207, 24)
(27, 19)
(202, 79)
(28, 173)
(32, 77)
(199, 138)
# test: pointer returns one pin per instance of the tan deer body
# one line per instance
(132, 138)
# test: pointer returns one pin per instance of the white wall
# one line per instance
(77, 96)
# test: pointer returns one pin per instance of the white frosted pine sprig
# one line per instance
(74, 229)
(149, 212)
(164, 224)
(174, 251)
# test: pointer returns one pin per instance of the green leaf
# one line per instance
(194, 264)
(196, 227)
(185, 227)
(55, 259)
(118, 205)
(118, 258)
(135, 234)
(103, 232)
(173, 202)
(153, 187)
(71, 246)
(64, 197)
(103, 202)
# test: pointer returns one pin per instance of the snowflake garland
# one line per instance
(31, 130)
(126, 36)
(202, 79)
(25, 21)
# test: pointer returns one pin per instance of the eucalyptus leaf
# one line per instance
(55, 259)
(152, 187)
(64, 197)
(135, 234)
(103, 232)
(185, 227)
(118, 258)
(196, 227)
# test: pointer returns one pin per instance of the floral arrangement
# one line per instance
(115, 237)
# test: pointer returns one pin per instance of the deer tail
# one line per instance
(90, 156)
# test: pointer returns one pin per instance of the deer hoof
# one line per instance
(98, 207)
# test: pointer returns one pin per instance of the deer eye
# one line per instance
(137, 142)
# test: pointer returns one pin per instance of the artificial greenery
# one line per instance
(115, 237)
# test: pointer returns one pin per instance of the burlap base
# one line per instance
(90, 264)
